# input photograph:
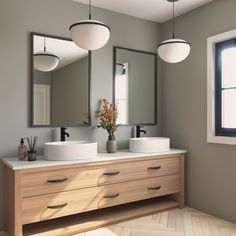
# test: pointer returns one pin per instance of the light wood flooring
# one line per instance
(185, 222)
(176, 222)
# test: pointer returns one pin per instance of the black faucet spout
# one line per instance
(64, 134)
(139, 130)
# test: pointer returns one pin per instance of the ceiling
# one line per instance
(153, 10)
(66, 50)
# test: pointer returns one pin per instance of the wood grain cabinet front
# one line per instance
(53, 200)
(56, 179)
(72, 202)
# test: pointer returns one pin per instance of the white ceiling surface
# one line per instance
(67, 51)
(153, 10)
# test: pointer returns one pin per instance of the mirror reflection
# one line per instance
(134, 84)
(60, 82)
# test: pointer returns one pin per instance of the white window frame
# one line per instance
(211, 41)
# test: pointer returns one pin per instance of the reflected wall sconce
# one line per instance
(120, 68)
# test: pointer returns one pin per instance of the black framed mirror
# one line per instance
(135, 86)
(60, 82)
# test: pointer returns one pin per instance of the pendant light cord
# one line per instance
(90, 15)
(173, 20)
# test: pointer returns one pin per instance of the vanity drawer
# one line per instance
(40, 182)
(51, 206)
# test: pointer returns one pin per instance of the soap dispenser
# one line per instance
(22, 151)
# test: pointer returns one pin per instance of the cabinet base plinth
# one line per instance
(100, 218)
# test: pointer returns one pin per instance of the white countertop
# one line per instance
(14, 164)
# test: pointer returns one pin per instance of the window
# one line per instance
(221, 88)
(122, 95)
(225, 88)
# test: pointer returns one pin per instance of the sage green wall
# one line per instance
(70, 94)
(17, 20)
(42, 77)
(211, 175)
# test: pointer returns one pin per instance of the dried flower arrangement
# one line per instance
(107, 116)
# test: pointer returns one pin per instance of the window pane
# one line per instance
(123, 114)
(229, 108)
(229, 67)
(121, 87)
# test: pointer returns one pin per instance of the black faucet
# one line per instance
(64, 134)
(139, 130)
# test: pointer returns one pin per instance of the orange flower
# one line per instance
(107, 116)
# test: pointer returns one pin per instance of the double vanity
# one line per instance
(65, 197)
(72, 188)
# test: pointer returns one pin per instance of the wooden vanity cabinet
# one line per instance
(43, 195)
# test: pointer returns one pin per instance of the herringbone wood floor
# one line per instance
(176, 222)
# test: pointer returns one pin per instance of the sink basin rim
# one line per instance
(149, 144)
(68, 143)
(149, 138)
(70, 150)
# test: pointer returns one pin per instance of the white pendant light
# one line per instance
(119, 68)
(174, 50)
(90, 34)
(45, 61)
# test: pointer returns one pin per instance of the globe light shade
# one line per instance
(119, 68)
(90, 34)
(45, 61)
(174, 50)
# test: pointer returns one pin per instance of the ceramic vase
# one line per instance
(111, 144)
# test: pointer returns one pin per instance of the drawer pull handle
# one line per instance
(155, 188)
(57, 206)
(112, 173)
(154, 168)
(57, 180)
(112, 196)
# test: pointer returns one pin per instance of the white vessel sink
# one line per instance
(149, 144)
(72, 150)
